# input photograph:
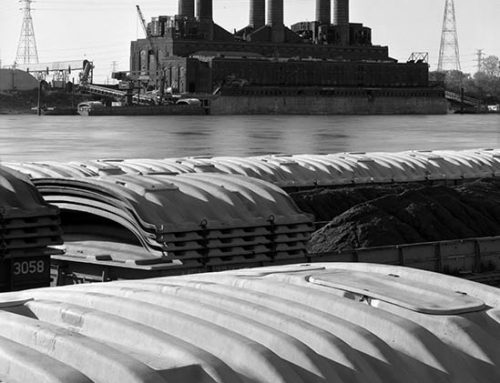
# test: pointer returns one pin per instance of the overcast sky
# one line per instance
(101, 30)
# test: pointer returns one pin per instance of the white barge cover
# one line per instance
(331, 322)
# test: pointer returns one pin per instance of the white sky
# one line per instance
(101, 30)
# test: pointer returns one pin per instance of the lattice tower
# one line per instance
(449, 55)
(26, 49)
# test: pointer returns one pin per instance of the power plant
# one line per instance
(322, 67)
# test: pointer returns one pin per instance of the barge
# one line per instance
(93, 108)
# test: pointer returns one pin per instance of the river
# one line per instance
(65, 138)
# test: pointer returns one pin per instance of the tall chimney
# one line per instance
(204, 9)
(186, 8)
(324, 12)
(341, 12)
(204, 14)
(257, 13)
(341, 20)
(275, 12)
(275, 20)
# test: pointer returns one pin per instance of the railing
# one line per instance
(458, 98)
(475, 258)
(467, 256)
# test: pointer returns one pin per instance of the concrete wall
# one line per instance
(316, 105)
(16, 80)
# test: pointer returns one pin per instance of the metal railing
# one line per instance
(460, 257)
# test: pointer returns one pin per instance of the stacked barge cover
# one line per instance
(29, 230)
(199, 220)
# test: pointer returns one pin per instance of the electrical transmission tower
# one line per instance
(26, 49)
(479, 54)
(449, 55)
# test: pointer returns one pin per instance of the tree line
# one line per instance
(483, 85)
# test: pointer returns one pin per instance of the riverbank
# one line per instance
(22, 102)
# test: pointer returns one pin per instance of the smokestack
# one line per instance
(204, 14)
(324, 12)
(275, 13)
(341, 13)
(186, 8)
(257, 13)
(204, 9)
(341, 20)
(275, 20)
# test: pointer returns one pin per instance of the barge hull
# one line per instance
(331, 102)
(142, 110)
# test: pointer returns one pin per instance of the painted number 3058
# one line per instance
(28, 267)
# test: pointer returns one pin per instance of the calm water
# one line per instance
(64, 138)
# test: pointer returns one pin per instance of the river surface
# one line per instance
(65, 138)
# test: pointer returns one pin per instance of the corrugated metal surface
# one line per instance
(142, 166)
(36, 170)
(283, 324)
(299, 171)
(199, 218)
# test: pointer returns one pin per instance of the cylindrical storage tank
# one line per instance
(275, 12)
(323, 12)
(341, 12)
(204, 9)
(257, 13)
(186, 8)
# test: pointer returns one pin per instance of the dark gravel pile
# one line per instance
(420, 214)
(326, 204)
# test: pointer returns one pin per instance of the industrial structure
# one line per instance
(449, 53)
(27, 52)
(326, 66)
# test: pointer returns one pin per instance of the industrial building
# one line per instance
(330, 63)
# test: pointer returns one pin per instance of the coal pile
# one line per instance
(419, 214)
(326, 204)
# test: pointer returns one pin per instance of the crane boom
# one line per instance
(155, 54)
(143, 21)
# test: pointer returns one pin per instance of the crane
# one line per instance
(143, 21)
(157, 59)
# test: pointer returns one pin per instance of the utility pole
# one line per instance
(26, 49)
(479, 54)
(449, 55)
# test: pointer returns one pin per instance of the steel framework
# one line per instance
(26, 49)
(449, 55)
